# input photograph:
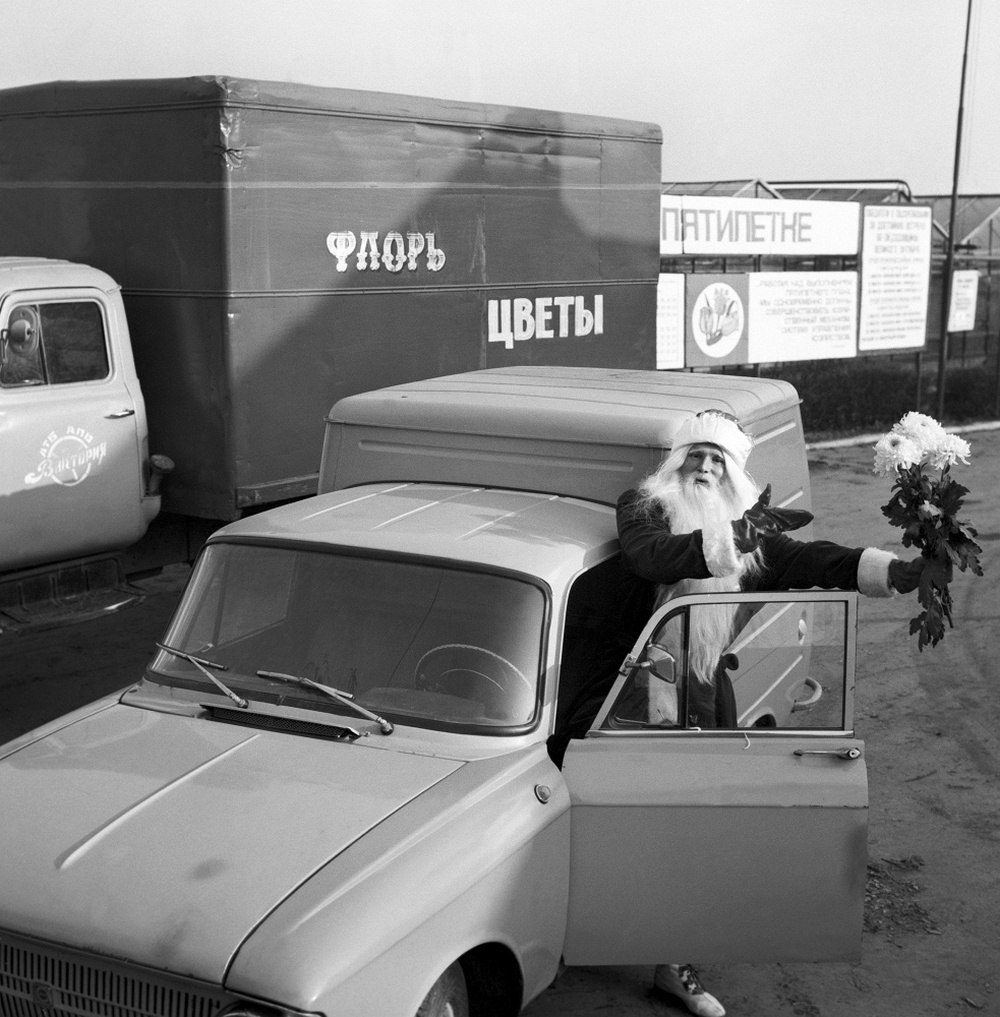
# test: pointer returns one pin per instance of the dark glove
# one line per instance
(904, 576)
(760, 521)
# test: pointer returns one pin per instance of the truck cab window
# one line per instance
(60, 344)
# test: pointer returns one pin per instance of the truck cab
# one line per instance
(75, 475)
(388, 748)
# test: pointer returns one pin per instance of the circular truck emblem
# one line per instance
(68, 458)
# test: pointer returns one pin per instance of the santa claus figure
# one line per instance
(700, 523)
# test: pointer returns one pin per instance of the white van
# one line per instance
(346, 781)
(589, 433)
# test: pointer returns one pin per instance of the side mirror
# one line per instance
(21, 335)
(660, 663)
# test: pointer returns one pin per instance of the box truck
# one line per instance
(193, 271)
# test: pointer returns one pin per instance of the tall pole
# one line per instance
(949, 256)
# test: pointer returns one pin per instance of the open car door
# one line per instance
(724, 845)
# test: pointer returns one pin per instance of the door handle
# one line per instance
(118, 414)
(851, 753)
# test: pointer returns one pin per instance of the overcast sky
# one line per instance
(776, 89)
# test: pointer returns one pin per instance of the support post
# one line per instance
(949, 258)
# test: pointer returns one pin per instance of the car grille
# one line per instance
(44, 981)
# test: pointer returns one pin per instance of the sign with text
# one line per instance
(962, 304)
(694, 224)
(669, 321)
(544, 317)
(802, 316)
(716, 318)
(895, 276)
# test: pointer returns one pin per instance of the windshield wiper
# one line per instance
(344, 698)
(203, 666)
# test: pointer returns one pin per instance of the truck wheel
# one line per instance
(448, 996)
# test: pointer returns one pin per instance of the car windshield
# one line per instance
(420, 642)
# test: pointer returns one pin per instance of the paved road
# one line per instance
(930, 720)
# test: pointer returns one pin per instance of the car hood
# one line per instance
(129, 814)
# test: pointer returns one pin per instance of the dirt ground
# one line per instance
(931, 723)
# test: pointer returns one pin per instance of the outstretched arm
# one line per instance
(651, 551)
(798, 565)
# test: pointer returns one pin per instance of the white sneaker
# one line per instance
(681, 981)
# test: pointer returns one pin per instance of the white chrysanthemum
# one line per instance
(924, 431)
(948, 451)
(895, 451)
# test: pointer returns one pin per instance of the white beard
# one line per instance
(689, 506)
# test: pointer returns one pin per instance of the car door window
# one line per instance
(58, 343)
(653, 692)
(786, 656)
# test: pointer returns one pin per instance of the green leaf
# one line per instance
(949, 497)
(944, 541)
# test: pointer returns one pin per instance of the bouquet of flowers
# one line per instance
(925, 501)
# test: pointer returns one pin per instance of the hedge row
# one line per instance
(841, 397)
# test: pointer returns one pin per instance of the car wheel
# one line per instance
(448, 996)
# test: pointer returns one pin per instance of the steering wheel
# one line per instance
(472, 672)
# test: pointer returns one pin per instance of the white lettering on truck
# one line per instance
(67, 459)
(394, 253)
(515, 320)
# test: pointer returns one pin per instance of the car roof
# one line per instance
(582, 432)
(592, 405)
(542, 535)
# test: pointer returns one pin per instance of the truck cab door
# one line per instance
(73, 430)
(747, 844)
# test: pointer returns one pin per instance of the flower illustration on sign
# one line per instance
(717, 321)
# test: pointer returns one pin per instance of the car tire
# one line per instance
(448, 997)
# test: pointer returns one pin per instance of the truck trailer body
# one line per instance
(279, 247)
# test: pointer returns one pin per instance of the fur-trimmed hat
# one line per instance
(715, 427)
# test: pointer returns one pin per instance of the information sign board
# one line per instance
(895, 276)
(670, 321)
(802, 316)
(962, 306)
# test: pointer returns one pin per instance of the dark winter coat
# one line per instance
(651, 552)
